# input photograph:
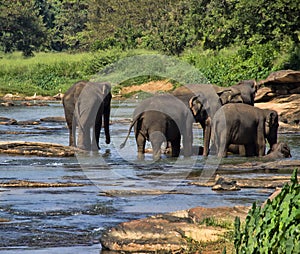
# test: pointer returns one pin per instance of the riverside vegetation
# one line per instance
(227, 41)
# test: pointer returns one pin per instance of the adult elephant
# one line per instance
(244, 125)
(85, 104)
(213, 93)
(162, 118)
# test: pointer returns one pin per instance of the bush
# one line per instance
(274, 228)
(229, 66)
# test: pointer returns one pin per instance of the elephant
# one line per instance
(219, 94)
(206, 103)
(162, 118)
(247, 89)
(244, 125)
(85, 103)
(278, 151)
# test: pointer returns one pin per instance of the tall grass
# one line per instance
(45, 73)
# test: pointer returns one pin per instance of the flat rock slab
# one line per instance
(170, 233)
(36, 148)
(33, 184)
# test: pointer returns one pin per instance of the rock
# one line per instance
(10, 96)
(39, 98)
(224, 184)
(29, 122)
(30, 104)
(296, 90)
(33, 184)
(53, 119)
(282, 76)
(7, 104)
(7, 121)
(58, 96)
(36, 148)
(172, 232)
(288, 108)
(264, 94)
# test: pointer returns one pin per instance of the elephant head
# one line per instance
(271, 126)
(279, 150)
(247, 90)
(230, 95)
(201, 110)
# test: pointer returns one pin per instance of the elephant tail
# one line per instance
(132, 124)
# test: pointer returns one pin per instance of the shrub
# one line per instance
(274, 228)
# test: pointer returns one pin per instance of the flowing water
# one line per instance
(112, 186)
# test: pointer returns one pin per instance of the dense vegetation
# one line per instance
(274, 228)
(227, 40)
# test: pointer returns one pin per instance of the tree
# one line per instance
(68, 24)
(21, 27)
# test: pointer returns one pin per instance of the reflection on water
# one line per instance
(114, 187)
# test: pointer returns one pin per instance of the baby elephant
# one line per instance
(278, 151)
(162, 118)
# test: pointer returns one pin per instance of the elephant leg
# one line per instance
(71, 140)
(222, 145)
(141, 142)
(250, 150)
(96, 134)
(175, 147)
(242, 150)
(261, 144)
(84, 139)
(207, 135)
(106, 115)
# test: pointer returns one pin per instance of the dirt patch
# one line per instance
(150, 87)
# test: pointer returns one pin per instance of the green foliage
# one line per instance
(45, 74)
(274, 228)
(229, 66)
(21, 27)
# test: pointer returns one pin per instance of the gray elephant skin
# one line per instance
(279, 151)
(162, 118)
(85, 104)
(246, 125)
(210, 98)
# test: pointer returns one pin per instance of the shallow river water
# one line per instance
(114, 187)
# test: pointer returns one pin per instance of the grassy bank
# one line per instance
(50, 73)
(45, 74)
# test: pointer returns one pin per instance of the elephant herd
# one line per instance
(230, 121)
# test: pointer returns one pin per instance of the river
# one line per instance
(113, 186)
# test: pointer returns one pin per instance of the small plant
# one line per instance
(274, 228)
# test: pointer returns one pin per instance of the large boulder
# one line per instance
(280, 91)
(284, 82)
(172, 232)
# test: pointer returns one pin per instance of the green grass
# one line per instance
(45, 73)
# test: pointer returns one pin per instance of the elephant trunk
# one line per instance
(207, 135)
(106, 116)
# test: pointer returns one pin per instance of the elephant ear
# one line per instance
(271, 121)
(195, 105)
(224, 96)
(236, 96)
(273, 118)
